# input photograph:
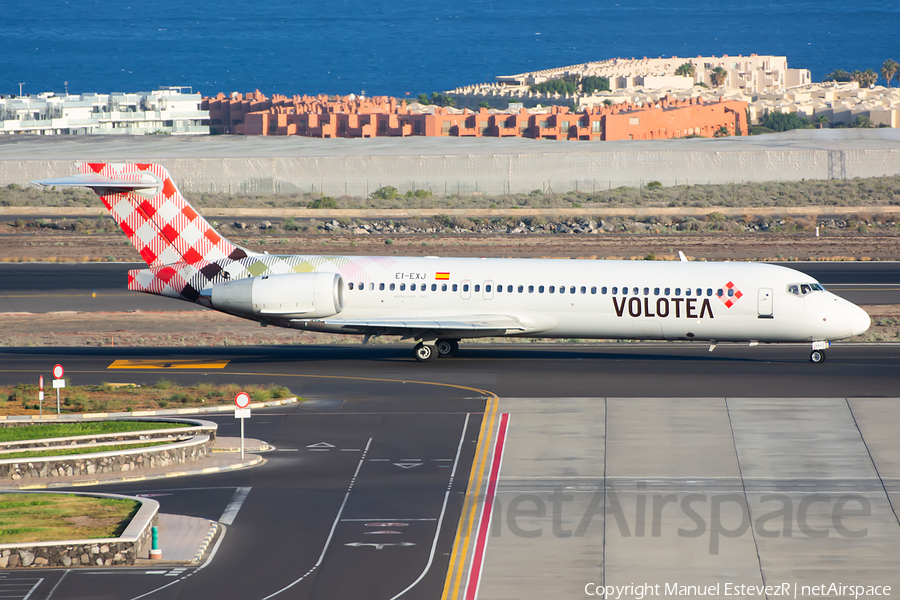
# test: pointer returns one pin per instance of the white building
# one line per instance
(170, 111)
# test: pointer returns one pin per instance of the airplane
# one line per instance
(439, 301)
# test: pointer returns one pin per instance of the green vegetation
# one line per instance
(323, 202)
(718, 76)
(77, 450)
(567, 84)
(686, 70)
(22, 398)
(779, 121)
(58, 430)
(593, 84)
(49, 517)
(437, 99)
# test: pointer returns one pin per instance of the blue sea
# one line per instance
(400, 47)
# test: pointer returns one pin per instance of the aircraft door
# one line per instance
(765, 303)
(465, 289)
(488, 290)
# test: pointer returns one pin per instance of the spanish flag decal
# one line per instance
(441, 276)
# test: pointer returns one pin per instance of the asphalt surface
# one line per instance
(373, 448)
(46, 287)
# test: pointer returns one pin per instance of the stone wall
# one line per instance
(133, 543)
(203, 427)
(197, 448)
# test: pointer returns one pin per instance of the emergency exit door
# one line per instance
(765, 303)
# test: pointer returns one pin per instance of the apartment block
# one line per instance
(170, 111)
(355, 117)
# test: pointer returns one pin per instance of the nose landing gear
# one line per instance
(818, 352)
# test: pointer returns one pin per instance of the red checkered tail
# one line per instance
(158, 221)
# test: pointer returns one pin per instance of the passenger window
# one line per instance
(572, 290)
(615, 291)
(540, 289)
(465, 287)
(381, 286)
(521, 288)
(372, 286)
(624, 291)
(720, 293)
(731, 292)
(646, 291)
(444, 287)
(708, 291)
(402, 287)
(602, 290)
(477, 287)
(433, 287)
(635, 291)
(350, 285)
(361, 286)
(583, 290)
(412, 287)
(455, 287)
(509, 289)
(687, 291)
(594, 290)
(668, 292)
(656, 291)
(393, 286)
(699, 292)
(530, 289)
(499, 289)
(552, 290)
(562, 289)
(677, 291)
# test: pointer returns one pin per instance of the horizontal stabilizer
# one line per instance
(92, 180)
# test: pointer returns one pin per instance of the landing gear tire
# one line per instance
(817, 356)
(425, 352)
(447, 347)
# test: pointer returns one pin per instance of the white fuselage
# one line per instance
(718, 301)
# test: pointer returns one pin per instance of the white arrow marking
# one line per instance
(151, 495)
(320, 445)
(382, 532)
(378, 546)
(407, 465)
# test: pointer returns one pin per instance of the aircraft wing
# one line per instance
(461, 323)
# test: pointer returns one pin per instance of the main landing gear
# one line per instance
(428, 351)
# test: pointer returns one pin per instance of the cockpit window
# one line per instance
(803, 289)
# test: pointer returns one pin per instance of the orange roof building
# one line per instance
(352, 117)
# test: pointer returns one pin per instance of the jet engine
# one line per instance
(290, 295)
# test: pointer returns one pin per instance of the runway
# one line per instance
(102, 287)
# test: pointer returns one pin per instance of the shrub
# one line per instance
(654, 185)
(163, 384)
(323, 202)
(280, 392)
(387, 192)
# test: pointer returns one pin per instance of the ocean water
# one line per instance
(397, 47)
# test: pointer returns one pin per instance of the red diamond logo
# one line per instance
(731, 295)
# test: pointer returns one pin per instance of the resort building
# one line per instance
(750, 74)
(352, 117)
(170, 111)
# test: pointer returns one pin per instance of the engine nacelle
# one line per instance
(290, 295)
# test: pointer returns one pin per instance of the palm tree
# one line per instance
(869, 78)
(838, 75)
(888, 70)
(686, 70)
(718, 76)
(862, 121)
(820, 121)
(722, 131)
(864, 78)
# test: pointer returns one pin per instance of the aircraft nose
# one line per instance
(859, 321)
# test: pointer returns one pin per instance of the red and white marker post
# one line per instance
(41, 396)
(242, 411)
(58, 382)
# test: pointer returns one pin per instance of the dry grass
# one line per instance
(26, 518)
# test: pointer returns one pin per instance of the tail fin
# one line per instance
(158, 221)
